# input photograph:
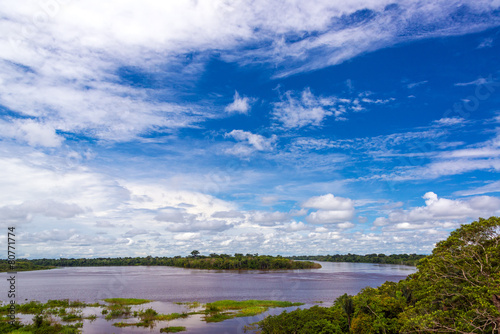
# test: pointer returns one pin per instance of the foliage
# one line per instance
(214, 261)
(172, 329)
(22, 265)
(455, 290)
(401, 259)
(217, 311)
(126, 301)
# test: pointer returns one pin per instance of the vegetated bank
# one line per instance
(456, 289)
(401, 259)
(195, 261)
(67, 317)
(22, 265)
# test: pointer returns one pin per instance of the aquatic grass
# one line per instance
(251, 311)
(71, 317)
(215, 311)
(218, 317)
(171, 316)
(127, 301)
(124, 324)
(237, 305)
(172, 329)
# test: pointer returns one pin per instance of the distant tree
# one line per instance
(195, 253)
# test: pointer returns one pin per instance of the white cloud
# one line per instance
(450, 121)
(492, 187)
(441, 212)
(331, 210)
(240, 105)
(305, 111)
(64, 63)
(329, 216)
(251, 142)
(477, 82)
(329, 202)
(31, 132)
(294, 226)
(416, 84)
(266, 218)
(186, 236)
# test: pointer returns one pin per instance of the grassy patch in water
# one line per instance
(238, 305)
(217, 311)
(127, 301)
(172, 329)
(171, 316)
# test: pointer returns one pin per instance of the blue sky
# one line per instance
(155, 128)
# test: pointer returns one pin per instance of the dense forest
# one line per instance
(404, 259)
(455, 290)
(195, 260)
(21, 265)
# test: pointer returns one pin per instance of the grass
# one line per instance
(173, 329)
(117, 307)
(124, 324)
(216, 311)
(149, 316)
(57, 307)
(171, 316)
(71, 317)
(127, 301)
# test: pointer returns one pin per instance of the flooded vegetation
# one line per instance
(64, 316)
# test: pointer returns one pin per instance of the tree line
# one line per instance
(195, 260)
(402, 259)
(456, 289)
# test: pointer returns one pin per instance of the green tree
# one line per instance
(346, 303)
(195, 253)
(457, 288)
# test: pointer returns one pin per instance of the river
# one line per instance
(166, 285)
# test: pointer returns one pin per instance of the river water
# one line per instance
(166, 285)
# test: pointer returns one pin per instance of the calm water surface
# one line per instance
(166, 285)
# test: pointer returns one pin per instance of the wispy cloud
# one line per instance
(250, 142)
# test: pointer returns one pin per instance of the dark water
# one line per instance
(166, 285)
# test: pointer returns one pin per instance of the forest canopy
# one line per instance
(195, 261)
(455, 290)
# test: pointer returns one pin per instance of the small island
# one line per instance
(193, 261)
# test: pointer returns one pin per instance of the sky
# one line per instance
(135, 128)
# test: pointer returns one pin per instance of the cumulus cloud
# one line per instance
(441, 212)
(331, 209)
(22, 213)
(228, 214)
(266, 218)
(329, 202)
(240, 105)
(329, 216)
